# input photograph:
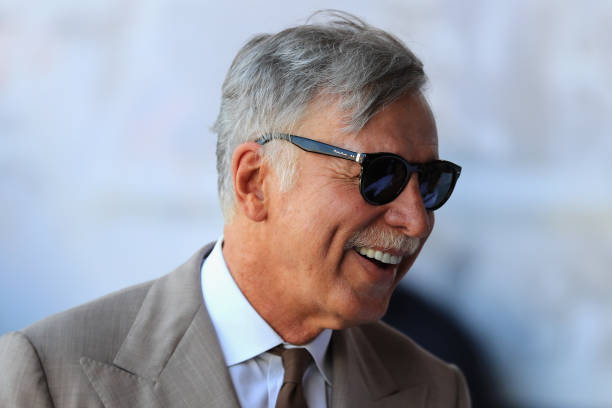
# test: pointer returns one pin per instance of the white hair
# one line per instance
(275, 77)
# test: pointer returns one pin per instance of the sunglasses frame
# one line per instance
(364, 159)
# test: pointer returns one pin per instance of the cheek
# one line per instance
(317, 216)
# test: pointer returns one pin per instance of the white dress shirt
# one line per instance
(245, 338)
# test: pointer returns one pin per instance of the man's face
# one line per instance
(318, 227)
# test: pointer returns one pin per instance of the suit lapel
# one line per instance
(360, 379)
(171, 355)
(196, 374)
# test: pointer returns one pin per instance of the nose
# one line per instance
(408, 213)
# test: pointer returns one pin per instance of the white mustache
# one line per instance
(376, 237)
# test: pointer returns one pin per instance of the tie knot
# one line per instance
(295, 362)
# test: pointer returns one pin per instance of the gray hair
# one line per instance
(275, 78)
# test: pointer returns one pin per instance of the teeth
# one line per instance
(383, 257)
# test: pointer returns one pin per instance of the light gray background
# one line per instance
(107, 169)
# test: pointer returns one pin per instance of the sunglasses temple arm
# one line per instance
(313, 146)
(273, 136)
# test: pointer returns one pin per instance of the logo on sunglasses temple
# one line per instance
(341, 153)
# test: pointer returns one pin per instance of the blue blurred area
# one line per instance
(107, 168)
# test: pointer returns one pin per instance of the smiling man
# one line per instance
(328, 179)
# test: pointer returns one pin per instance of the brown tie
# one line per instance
(295, 362)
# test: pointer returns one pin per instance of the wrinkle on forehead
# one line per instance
(406, 127)
(406, 124)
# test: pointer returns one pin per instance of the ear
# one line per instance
(248, 171)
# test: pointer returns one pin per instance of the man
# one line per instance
(319, 229)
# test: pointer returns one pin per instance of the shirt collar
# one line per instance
(243, 334)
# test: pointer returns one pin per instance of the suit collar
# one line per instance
(168, 310)
(171, 356)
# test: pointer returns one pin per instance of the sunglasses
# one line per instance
(384, 175)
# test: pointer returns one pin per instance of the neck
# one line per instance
(269, 293)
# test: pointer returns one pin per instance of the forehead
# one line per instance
(405, 127)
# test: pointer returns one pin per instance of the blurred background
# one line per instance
(107, 167)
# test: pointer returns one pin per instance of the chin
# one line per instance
(361, 310)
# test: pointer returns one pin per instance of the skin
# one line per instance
(294, 268)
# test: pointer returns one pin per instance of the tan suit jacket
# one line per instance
(153, 345)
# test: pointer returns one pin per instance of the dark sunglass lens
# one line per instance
(383, 179)
(435, 185)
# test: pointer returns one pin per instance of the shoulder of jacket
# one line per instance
(77, 331)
